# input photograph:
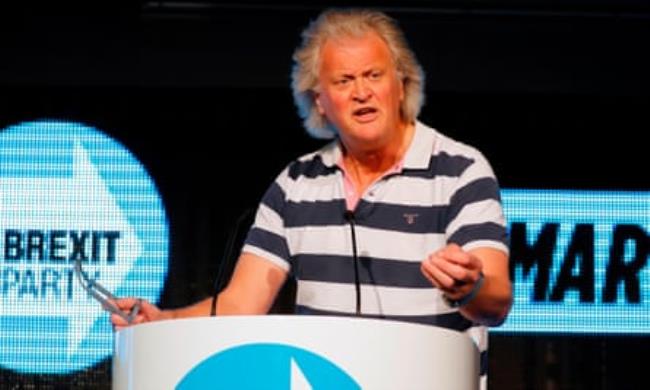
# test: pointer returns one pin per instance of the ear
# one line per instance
(319, 105)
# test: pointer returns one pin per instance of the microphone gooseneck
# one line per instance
(227, 263)
(349, 217)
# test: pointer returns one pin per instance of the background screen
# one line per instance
(153, 129)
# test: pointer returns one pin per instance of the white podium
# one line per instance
(292, 352)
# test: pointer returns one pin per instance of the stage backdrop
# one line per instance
(132, 146)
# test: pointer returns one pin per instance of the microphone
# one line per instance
(228, 260)
(349, 217)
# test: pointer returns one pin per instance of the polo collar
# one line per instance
(418, 154)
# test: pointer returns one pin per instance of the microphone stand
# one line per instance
(227, 263)
(349, 216)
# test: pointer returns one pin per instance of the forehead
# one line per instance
(350, 53)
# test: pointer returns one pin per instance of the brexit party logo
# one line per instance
(70, 193)
(267, 366)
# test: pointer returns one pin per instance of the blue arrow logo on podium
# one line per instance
(267, 366)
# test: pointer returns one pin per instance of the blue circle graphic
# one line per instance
(267, 366)
(69, 192)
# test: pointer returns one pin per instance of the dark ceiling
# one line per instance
(571, 46)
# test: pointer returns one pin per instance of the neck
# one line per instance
(382, 158)
(367, 165)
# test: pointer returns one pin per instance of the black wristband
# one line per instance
(467, 298)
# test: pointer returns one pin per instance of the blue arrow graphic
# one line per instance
(56, 206)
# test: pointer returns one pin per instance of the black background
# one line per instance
(556, 94)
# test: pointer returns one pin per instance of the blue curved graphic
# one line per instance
(67, 192)
(267, 366)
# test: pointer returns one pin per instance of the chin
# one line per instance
(369, 129)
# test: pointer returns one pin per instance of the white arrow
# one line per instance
(79, 203)
(298, 379)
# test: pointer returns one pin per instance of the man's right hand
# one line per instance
(148, 312)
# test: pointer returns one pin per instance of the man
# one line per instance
(421, 210)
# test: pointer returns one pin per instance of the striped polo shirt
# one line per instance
(445, 192)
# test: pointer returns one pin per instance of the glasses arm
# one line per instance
(103, 296)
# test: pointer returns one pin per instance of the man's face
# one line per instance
(359, 91)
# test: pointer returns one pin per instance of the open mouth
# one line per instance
(365, 113)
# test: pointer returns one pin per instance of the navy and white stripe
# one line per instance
(446, 192)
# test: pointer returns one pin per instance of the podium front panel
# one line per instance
(292, 352)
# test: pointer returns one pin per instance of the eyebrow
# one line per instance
(363, 73)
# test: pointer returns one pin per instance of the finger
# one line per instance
(436, 275)
(147, 307)
(448, 285)
(138, 319)
(118, 320)
(456, 255)
(427, 275)
(458, 272)
(125, 303)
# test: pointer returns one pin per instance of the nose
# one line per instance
(361, 91)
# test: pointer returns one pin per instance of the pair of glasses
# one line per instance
(103, 296)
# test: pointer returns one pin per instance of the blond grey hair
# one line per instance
(334, 24)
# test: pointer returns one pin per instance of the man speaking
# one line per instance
(392, 219)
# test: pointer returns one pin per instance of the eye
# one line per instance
(375, 75)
